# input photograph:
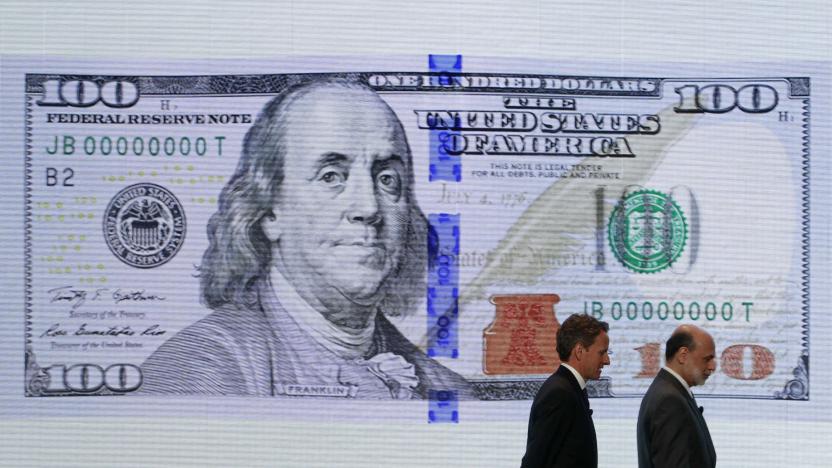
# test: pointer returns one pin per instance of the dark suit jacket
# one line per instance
(244, 352)
(561, 433)
(671, 430)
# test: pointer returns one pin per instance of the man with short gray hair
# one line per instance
(671, 430)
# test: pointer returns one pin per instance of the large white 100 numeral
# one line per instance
(89, 378)
(721, 98)
(86, 93)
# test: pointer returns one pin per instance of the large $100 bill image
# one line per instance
(404, 234)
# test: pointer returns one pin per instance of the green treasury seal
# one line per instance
(647, 231)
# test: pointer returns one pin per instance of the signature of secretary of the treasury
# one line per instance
(77, 297)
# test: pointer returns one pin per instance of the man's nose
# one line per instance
(362, 202)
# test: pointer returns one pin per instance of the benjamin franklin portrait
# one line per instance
(316, 241)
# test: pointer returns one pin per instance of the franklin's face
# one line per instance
(341, 211)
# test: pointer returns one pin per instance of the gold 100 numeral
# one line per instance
(732, 361)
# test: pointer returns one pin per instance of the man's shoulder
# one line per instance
(563, 380)
(558, 388)
(222, 327)
(666, 385)
(664, 393)
(204, 357)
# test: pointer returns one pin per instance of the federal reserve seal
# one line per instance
(647, 231)
(144, 225)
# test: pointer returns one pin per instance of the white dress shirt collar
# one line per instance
(578, 376)
(679, 378)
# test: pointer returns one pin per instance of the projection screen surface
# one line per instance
(329, 256)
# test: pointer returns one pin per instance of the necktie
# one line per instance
(700, 408)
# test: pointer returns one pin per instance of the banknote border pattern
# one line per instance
(798, 387)
(35, 379)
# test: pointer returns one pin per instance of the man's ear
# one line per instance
(271, 226)
(682, 355)
(578, 351)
